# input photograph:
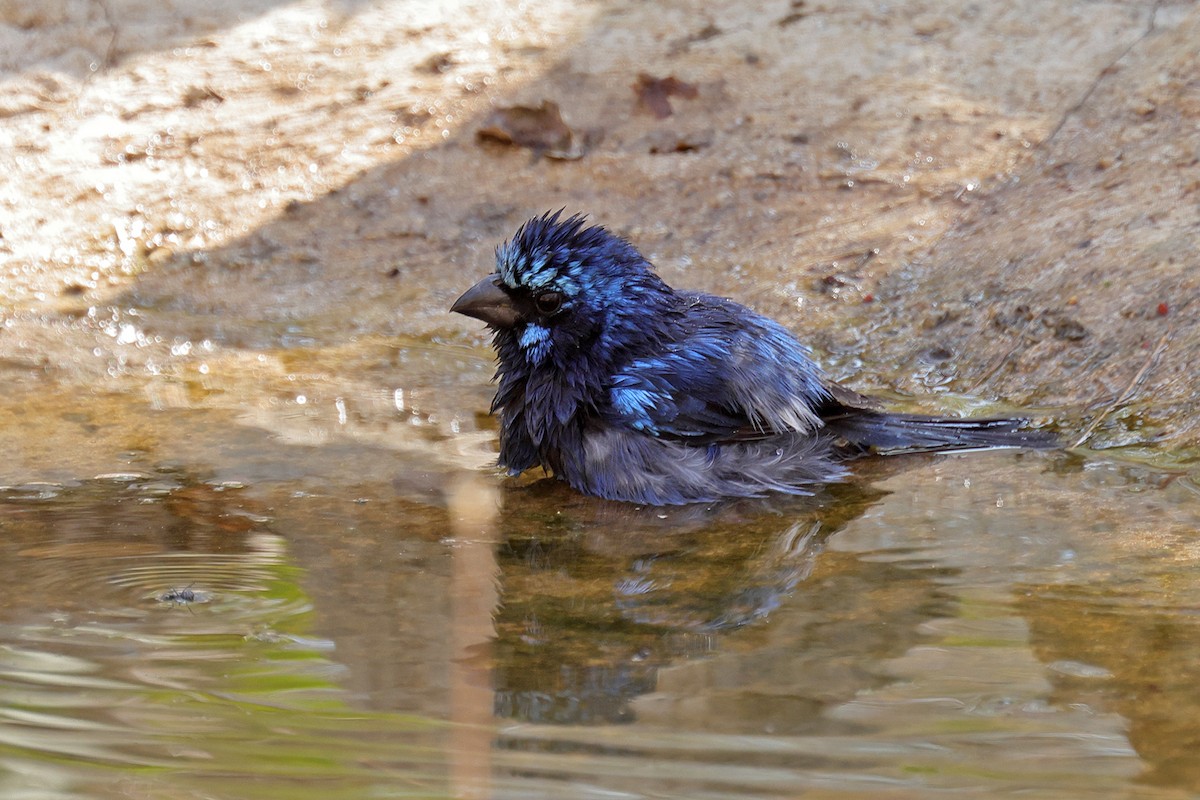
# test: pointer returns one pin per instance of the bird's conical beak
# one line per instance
(487, 301)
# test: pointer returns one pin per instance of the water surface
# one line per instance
(215, 590)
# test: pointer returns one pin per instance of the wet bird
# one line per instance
(628, 389)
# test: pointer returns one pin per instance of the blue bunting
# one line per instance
(630, 390)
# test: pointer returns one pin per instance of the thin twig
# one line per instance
(1107, 70)
(1130, 390)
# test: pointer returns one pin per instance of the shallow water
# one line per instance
(215, 590)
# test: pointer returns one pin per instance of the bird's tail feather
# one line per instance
(914, 433)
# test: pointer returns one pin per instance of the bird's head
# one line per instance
(562, 288)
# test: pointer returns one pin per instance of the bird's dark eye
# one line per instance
(548, 302)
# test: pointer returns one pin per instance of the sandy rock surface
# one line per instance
(998, 200)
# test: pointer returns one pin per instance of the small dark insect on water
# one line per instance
(181, 597)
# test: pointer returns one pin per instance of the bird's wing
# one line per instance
(729, 375)
(665, 397)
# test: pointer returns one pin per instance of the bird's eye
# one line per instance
(548, 302)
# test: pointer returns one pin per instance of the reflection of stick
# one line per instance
(474, 506)
(1130, 390)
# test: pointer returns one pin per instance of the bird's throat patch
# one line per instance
(535, 343)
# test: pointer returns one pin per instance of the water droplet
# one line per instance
(127, 335)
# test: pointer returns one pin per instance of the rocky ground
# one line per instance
(1000, 201)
